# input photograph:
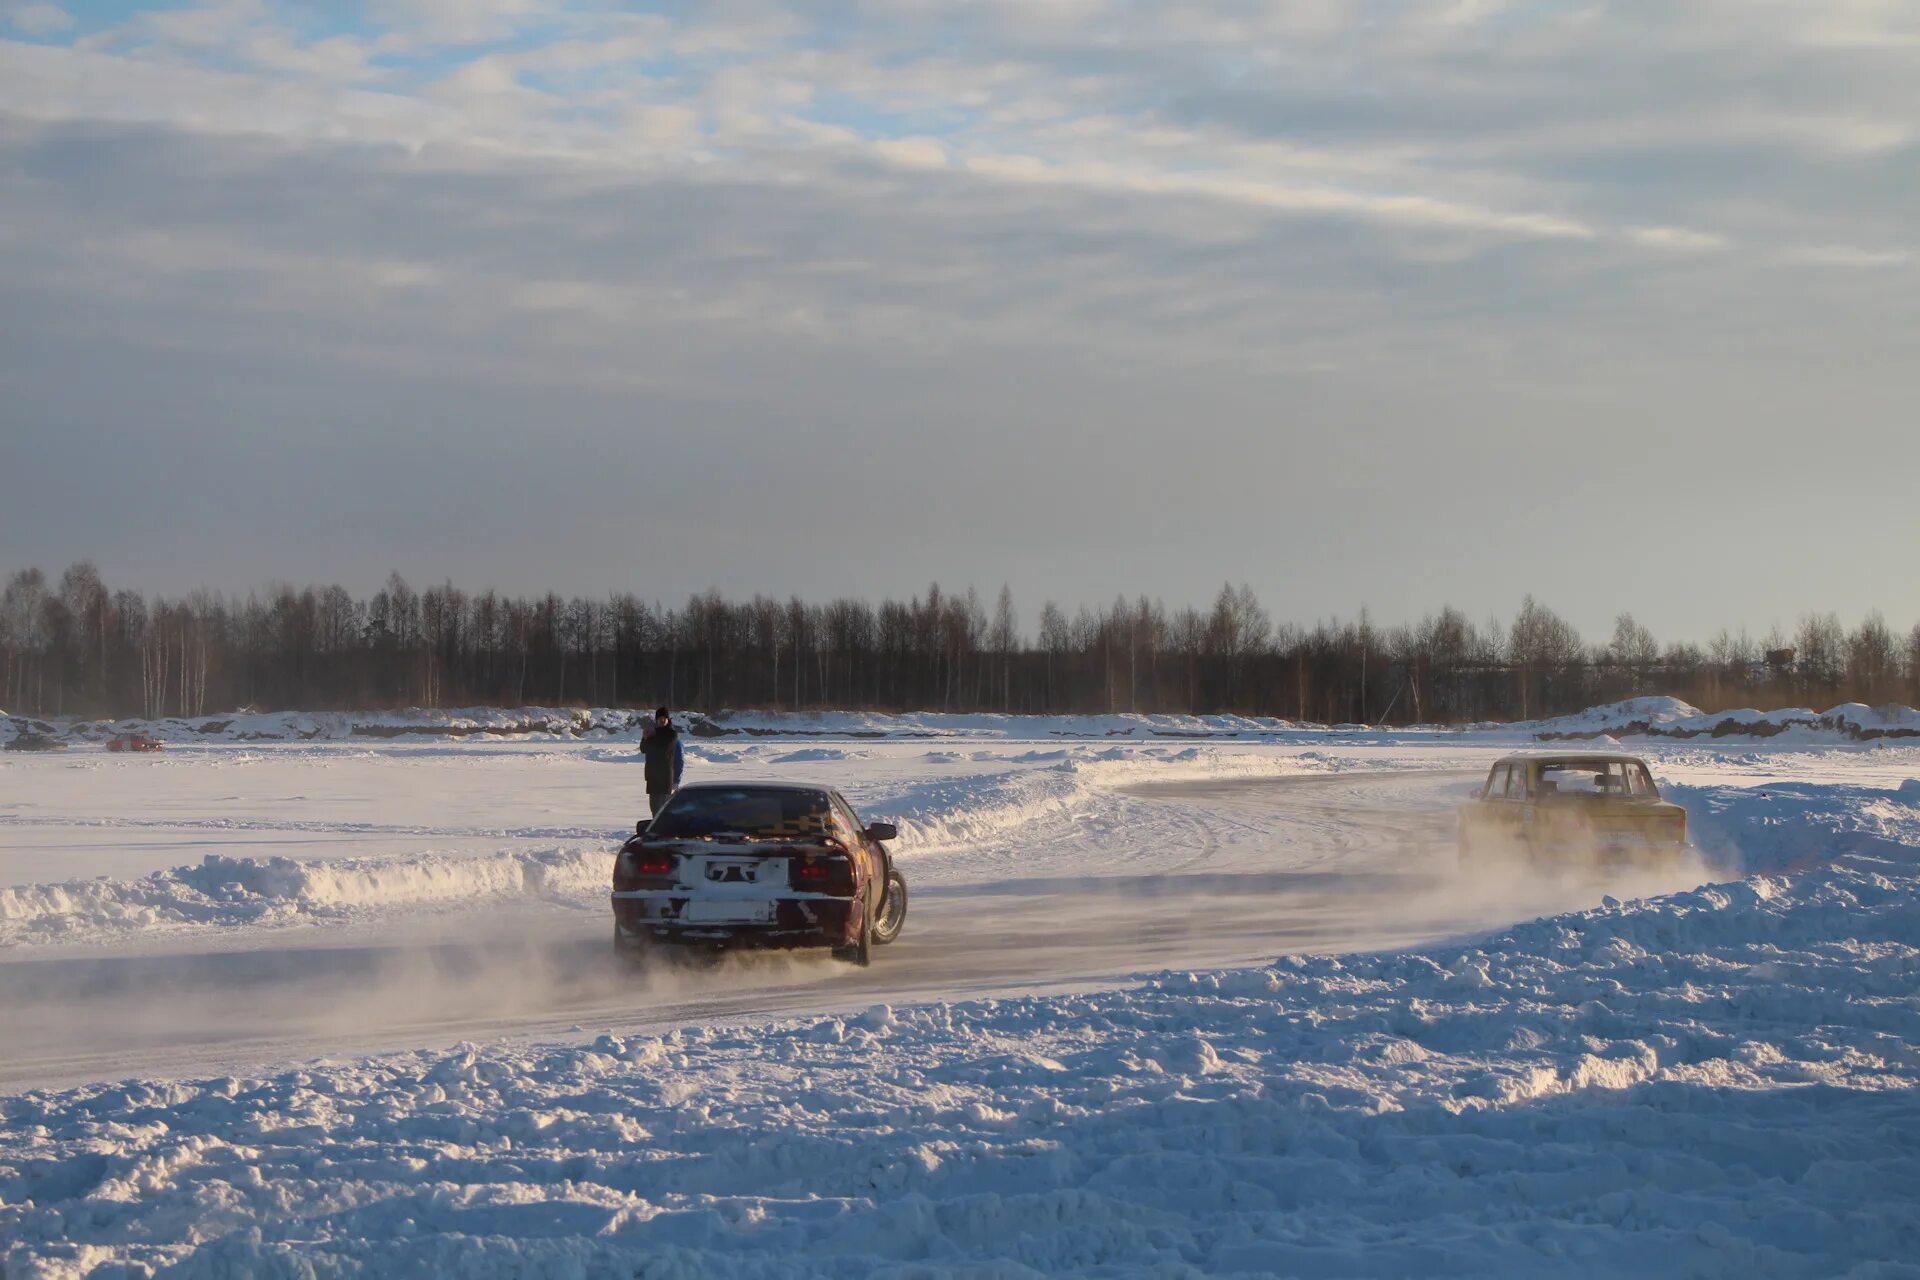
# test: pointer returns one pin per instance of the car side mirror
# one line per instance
(883, 831)
(640, 827)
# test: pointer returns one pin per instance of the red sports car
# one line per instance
(763, 864)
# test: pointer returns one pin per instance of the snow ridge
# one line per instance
(222, 891)
(565, 722)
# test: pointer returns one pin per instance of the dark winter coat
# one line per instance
(665, 760)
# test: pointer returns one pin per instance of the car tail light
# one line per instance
(644, 869)
(811, 873)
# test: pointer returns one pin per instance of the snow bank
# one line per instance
(225, 892)
(1724, 1082)
(1792, 826)
(929, 724)
(1672, 718)
(327, 726)
(562, 722)
(1614, 718)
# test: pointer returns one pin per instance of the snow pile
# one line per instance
(12, 727)
(1721, 1082)
(224, 892)
(1857, 720)
(1632, 715)
(930, 724)
(328, 726)
(1672, 718)
(563, 722)
(1765, 830)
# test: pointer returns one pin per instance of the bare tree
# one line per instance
(1540, 641)
(1632, 651)
(1873, 660)
(22, 624)
(1003, 637)
(1236, 629)
(1056, 641)
(1822, 647)
(1913, 664)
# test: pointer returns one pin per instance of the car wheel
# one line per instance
(893, 910)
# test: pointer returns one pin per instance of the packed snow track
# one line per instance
(1206, 872)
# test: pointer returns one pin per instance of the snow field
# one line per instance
(1717, 1082)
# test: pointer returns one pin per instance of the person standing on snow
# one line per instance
(665, 760)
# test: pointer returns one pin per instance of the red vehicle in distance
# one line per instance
(135, 742)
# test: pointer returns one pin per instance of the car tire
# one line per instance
(861, 952)
(893, 910)
(630, 951)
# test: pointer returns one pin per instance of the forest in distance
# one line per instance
(73, 647)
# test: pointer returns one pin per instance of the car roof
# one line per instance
(754, 785)
(1571, 757)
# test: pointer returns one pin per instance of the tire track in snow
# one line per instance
(1309, 864)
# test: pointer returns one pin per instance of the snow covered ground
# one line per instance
(340, 1005)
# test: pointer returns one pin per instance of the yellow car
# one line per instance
(1552, 809)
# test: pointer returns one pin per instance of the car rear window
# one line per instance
(742, 813)
(1585, 778)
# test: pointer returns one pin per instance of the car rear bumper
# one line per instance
(772, 923)
(1613, 848)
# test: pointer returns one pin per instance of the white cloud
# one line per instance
(37, 19)
(1840, 255)
(914, 153)
(1144, 161)
(1509, 121)
(463, 21)
(1678, 238)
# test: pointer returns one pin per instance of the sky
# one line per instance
(1366, 304)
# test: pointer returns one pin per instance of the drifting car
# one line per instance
(758, 865)
(134, 742)
(1552, 809)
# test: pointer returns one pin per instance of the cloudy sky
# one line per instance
(1364, 303)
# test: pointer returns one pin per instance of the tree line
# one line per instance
(75, 648)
